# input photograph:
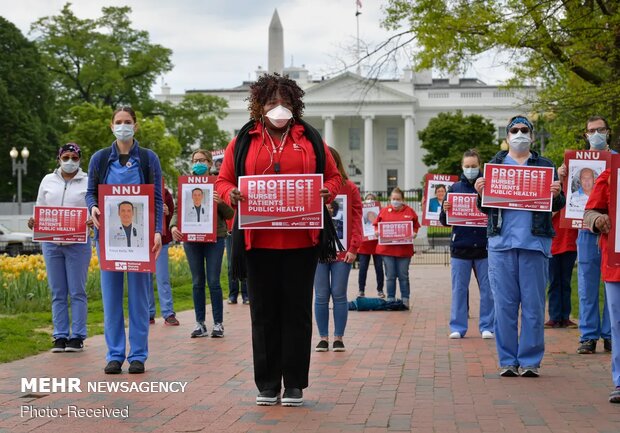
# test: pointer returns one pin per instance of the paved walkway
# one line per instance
(400, 373)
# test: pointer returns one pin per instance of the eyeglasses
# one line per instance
(523, 129)
(601, 130)
(67, 158)
(202, 160)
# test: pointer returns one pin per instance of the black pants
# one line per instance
(280, 286)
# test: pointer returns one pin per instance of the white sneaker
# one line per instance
(455, 335)
(488, 335)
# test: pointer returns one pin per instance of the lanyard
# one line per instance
(277, 150)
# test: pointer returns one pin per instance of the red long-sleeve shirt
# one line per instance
(354, 218)
(390, 214)
(297, 157)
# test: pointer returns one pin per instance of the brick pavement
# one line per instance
(400, 373)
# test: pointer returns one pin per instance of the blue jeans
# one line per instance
(397, 267)
(336, 286)
(518, 278)
(364, 263)
(613, 298)
(591, 325)
(67, 271)
(164, 290)
(233, 285)
(560, 275)
(112, 289)
(207, 256)
(461, 275)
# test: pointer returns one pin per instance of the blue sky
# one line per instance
(220, 43)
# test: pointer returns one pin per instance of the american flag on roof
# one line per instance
(359, 3)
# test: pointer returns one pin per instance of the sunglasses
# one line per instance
(523, 129)
(67, 158)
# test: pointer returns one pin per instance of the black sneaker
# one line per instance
(587, 347)
(218, 331)
(268, 397)
(509, 371)
(60, 345)
(323, 346)
(380, 294)
(232, 300)
(607, 344)
(136, 367)
(75, 345)
(200, 331)
(338, 346)
(529, 372)
(292, 397)
(113, 367)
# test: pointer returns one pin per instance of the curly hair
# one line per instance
(266, 86)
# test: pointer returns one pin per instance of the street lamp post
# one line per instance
(19, 168)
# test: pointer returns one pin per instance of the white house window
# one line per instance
(354, 139)
(391, 138)
(392, 179)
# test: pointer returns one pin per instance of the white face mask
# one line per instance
(520, 142)
(396, 203)
(69, 166)
(123, 132)
(279, 116)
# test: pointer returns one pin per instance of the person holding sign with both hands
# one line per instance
(519, 248)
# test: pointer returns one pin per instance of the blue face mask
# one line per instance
(199, 168)
(396, 203)
(471, 172)
(597, 141)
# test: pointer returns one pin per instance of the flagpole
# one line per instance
(357, 18)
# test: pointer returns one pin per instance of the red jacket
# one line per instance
(166, 238)
(389, 214)
(368, 247)
(354, 218)
(565, 240)
(599, 200)
(297, 157)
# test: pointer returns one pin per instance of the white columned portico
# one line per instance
(369, 154)
(328, 130)
(409, 163)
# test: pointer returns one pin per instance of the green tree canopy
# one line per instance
(448, 135)
(26, 104)
(570, 47)
(101, 61)
(89, 126)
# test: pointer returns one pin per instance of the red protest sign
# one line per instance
(582, 169)
(519, 187)
(60, 224)
(370, 212)
(127, 230)
(435, 188)
(281, 202)
(197, 212)
(395, 233)
(464, 211)
(613, 240)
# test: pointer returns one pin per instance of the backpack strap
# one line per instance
(147, 175)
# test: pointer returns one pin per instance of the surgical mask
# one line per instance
(123, 132)
(471, 172)
(520, 142)
(597, 141)
(69, 166)
(199, 168)
(279, 116)
(396, 203)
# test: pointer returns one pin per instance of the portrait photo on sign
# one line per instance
(338, 211)
(436, 194)
(197, 208)
(581, 177)
(369, 215)
(127, 228)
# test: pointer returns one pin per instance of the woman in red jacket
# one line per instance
(280, 263)
(397, 257)
(365, 252)
(331, 279)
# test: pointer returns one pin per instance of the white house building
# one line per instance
(374, 123)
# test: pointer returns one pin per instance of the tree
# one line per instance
(448, 135)
(89, 127)
(194, 122)
(570, 47)
(26, 104)
(101, 61)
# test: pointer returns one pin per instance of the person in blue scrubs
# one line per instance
(125, 163)
(519, 250)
